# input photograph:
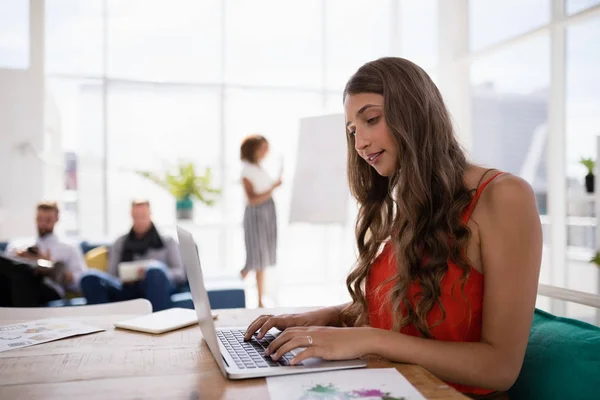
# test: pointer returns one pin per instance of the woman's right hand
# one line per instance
(277, 184)
(262, 324)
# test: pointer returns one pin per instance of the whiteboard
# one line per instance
(320, 187)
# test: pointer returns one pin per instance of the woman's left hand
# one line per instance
(325, 342)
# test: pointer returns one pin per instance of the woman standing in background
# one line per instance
(260, 217)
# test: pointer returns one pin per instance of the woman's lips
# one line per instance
(373, 157)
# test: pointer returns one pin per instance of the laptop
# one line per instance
(238, 359)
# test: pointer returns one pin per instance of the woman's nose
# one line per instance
(360, 142)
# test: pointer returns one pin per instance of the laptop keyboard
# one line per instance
(251, 354)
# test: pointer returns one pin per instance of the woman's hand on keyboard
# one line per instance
(328, 343)
(263, 323)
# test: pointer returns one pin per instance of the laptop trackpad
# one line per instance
(313, 362)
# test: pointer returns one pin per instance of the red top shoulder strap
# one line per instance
(477, 195)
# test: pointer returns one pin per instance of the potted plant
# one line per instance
(186, 185)
(590, 164)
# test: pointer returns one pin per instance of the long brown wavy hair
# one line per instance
(419, 207)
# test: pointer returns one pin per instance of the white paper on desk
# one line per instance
(39, 331)
(366, 384)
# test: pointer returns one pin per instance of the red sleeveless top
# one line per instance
(458, 326)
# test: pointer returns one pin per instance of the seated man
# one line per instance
(32, 273)
(155, 258)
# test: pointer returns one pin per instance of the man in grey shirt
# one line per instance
(54, 264)
(154, 259)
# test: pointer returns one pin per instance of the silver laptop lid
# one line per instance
(191, 262)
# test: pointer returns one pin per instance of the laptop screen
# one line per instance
(191, 262)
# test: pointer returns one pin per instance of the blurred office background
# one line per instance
(93, 90)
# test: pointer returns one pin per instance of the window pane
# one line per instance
(74, 113)
(357, 31)
(165, 40)
(14, 34)
(491, 21)
(582, 122)
(271, 42)
(419, 30)
(574, 6)
(153, 127)
(73, 41)
(510, 111)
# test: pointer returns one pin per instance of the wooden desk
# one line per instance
(119, 364)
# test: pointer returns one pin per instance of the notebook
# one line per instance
(161, 321)
(129, 270)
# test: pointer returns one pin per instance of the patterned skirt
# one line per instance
(260, 232)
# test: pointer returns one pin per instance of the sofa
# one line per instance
(223, 291)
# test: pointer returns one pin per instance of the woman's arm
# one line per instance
(254, 198)
(331, 316)
(511, 249)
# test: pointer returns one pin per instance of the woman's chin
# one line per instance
(383, 171)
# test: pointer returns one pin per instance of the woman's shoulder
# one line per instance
(506, 187)
(506, 195)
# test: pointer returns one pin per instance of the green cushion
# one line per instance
(562, 360)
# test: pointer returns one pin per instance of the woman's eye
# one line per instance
(353, 133)
(373, 120)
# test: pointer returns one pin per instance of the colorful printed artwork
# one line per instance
(330, 392)
(351, 384)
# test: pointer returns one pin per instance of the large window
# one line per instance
(144, 84)
(582, 130)
(510, 111)
(516, 63)
(141, 85)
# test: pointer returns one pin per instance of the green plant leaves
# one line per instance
(589, 163)
(186, 183)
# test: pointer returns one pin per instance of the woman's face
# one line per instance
(365, 121)
(262, 151)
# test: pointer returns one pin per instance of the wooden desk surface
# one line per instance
(119, 364)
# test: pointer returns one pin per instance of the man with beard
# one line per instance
(34, 273)
(153, 258)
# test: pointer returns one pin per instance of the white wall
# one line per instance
(22, 120)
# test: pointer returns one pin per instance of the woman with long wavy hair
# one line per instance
(449, 253)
